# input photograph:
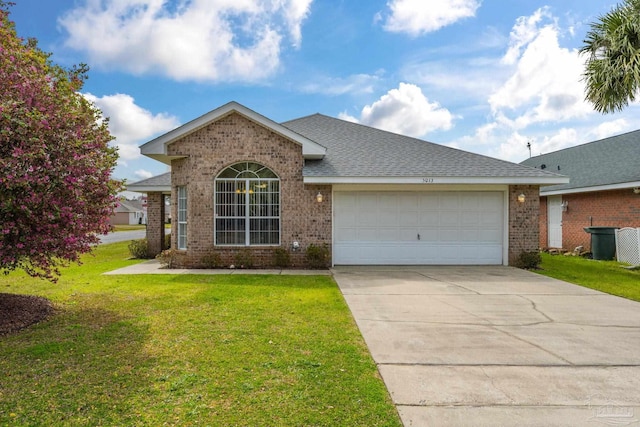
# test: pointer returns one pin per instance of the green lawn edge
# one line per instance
(606, 276)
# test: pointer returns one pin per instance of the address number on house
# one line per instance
(428, 180)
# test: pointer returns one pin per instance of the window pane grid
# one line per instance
(182, 218)
(247, 208)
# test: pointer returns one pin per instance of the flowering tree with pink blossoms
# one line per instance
(56, 190)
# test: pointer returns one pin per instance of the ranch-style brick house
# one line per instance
(242, 182)
(604, 190)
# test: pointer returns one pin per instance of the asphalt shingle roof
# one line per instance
(129, 206)
(355, 150)
(162, 180)
(609, 161)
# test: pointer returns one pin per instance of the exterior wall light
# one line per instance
(565, 205)
(521, 198)
(319, 197)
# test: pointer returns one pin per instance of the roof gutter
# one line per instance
(621, 186)
(426, 180)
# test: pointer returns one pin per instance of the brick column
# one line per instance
(524, 222)
(155, 223)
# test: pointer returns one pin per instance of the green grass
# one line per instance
(218, 350)
(605, 276)
(125, 227)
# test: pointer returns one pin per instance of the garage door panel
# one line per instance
(489, 236)
(408, 234)
(469, 218)
(408, 202)
(493, 219)
(472, 235)
(408, 218)
(429, 217)
(367, 234)
(426, 234)
(418, 228)
(449, 218)
(389, 234)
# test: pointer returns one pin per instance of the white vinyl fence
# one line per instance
(628, 245)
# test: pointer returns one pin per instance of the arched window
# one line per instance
(247, 206)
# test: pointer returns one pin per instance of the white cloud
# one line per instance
(524, 32)
(130, 123)
(202, 40)
(610, 128)
(416, 17)
(546, 84)
(143, 174)
(407, 111)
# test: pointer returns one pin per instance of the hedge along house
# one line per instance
(241, 182)
(604, 190)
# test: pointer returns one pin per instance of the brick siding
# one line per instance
(616, 208)
(235, 139)
(155, 222)
(524, 221)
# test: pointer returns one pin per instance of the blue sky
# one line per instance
(483, 76)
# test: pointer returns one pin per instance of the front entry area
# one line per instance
(418, 228)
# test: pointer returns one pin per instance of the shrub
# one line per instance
(139, 249)
(317, 256)
(244, 259)
(529, 260)
(211, 260)
(281, 258)
(166, 258)
(167, 241)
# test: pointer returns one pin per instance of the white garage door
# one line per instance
(396, 228)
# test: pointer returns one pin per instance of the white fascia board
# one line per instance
(427, 180)
(621, 186)
(158, 147)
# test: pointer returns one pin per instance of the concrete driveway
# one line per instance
(497, 346)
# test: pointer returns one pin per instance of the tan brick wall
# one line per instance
(616, 208)
(234, 139)
(155, 222)
(524, 231)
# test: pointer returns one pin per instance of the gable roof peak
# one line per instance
(157, 148)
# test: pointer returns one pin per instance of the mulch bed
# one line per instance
(20, 311)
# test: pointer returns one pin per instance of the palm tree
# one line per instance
(612, 69)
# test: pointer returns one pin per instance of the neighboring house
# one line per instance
(128, 212)
(240, 181)
(604, 190)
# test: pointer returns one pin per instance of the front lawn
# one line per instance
(605, 276)
(232, 350)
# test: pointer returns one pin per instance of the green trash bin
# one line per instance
(603, 242)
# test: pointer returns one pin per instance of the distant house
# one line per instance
(242, 184)
(128, 212)
(604, 190)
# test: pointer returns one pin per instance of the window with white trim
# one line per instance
(182, 217)
(247, 206)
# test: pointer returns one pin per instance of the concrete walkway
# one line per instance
(497, 346)
(153, 267)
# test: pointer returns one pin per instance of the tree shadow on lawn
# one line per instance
(84, 366)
